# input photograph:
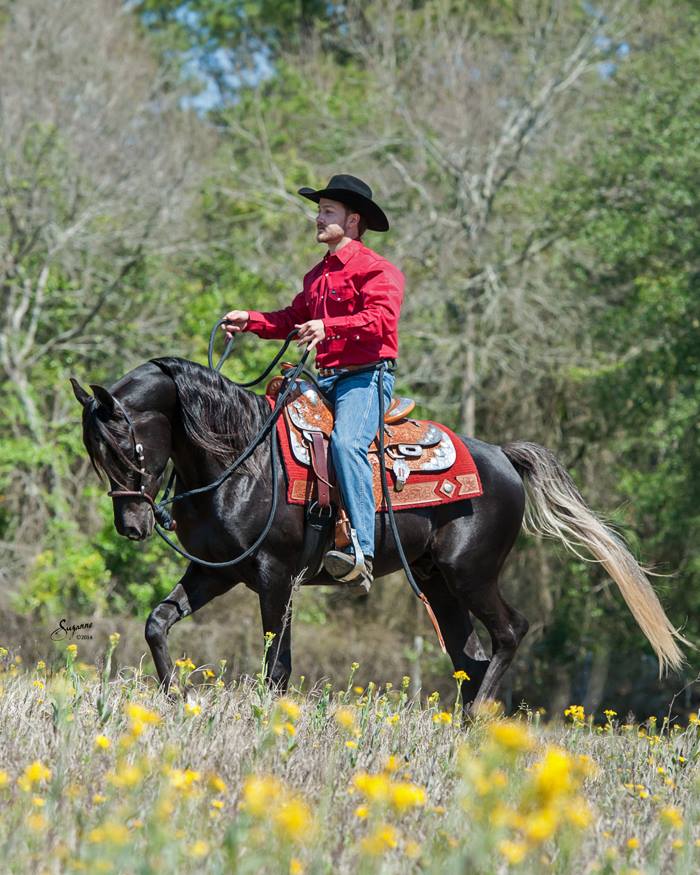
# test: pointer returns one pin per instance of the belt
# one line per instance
(350, 369)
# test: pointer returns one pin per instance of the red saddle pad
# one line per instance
(422, 489)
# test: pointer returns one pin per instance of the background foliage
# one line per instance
(539, 164)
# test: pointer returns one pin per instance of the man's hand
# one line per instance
(236, 321)
(311, 333)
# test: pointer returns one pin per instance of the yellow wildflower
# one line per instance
(37, 822)
(41, 665)
(293, 820)
(541, 825)
(102, 742)
(672, 817)
(72, 649)
(198, 850)
(114, 638)
(35, 773)
(351, 744)
(193, 709)
(391, 764)
(295, 867)
(633, 843)
(405, 795)
(4, 779)
(345, 718)
(576, 713)
(217, 784)
(259, 793)
(443, 717)
(514, 852)
(127, 775)
(460, 676)
(290, 708)
(412, 849)
(392, 720)
(553, 774)
(98, 798)
(109, 831)
(183, 779)
(511, 736)
(383, 838)
(361, 811)
(217, 803)
(139, 714)
(373, 787)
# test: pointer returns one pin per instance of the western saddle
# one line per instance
(409, 444)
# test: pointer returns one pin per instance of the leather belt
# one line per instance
(349, 369)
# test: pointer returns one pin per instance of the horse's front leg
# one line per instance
(197, 586)
(276, 614)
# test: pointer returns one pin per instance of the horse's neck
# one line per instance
(196, 464)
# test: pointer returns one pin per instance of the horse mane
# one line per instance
(217, 415)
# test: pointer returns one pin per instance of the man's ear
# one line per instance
(103, 398)
(81, 395)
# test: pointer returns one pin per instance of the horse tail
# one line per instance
(555, 509)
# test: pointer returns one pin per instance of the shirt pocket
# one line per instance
(341, 297)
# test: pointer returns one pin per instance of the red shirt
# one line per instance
(357, 294)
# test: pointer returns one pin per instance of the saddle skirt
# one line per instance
(426, 463)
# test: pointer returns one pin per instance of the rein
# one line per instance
(163, 520)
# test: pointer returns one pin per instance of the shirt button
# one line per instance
(356, 337)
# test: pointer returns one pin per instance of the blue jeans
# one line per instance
(355, 398)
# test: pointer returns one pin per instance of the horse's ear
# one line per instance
(103, 398)
(80, 393)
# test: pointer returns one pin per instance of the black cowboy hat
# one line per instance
(356, 194)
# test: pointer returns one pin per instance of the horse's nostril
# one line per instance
(132, 533)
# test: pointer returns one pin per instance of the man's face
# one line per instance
(335, 221)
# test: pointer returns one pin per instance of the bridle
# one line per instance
(163, 519)
(159, 514)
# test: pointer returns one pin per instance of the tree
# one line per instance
(98, 175)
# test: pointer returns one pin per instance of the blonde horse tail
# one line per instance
(555, 509)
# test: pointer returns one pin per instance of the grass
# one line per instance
(108, 775)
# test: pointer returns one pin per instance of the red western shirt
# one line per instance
(357, 294)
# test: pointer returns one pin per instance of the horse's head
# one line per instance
(131, 446)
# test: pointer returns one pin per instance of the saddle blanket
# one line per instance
(458, 482)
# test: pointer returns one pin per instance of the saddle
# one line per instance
(409, 444)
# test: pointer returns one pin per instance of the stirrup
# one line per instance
(359, 560)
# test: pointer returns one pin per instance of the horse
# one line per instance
(174, 409)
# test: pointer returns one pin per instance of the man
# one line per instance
(348, 311)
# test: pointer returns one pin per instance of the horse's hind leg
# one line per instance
(461, 640)
(197, 586)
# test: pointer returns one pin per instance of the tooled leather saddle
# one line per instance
(409, 444)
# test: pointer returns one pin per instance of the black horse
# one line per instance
(176, 409)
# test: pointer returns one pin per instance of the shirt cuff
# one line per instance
(256, 321)
(336, 322)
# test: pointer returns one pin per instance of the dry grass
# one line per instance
(101, 775)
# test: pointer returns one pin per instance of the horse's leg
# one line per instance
(461, 640)
(197, 586)
(507, 628)
(276, 614)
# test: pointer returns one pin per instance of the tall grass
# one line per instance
(100, 775)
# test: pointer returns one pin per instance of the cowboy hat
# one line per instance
(354, 193)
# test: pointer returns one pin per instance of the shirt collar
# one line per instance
(346, 253)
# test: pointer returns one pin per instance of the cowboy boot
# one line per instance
(360, 585)
(339, 563)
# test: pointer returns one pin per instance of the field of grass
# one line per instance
(99, 774)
